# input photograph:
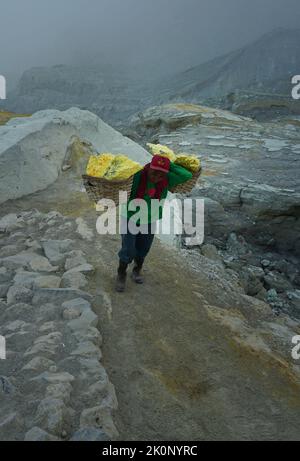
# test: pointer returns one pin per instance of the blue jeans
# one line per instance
(136, 246)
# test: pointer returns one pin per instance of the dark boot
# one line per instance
(136, 271)
(121, 277)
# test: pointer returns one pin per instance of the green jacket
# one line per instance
(177, 175)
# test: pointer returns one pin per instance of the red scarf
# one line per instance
(159, 187)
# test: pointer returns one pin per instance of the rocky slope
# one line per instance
(205, 362)
(250, 184)
(112, 96)
(202, 351)
(262, 70)
(52, 385)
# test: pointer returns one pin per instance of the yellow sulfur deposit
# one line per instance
(122, 168)
(112, 167)
(190, 162)
(164, 151)
(98, 164)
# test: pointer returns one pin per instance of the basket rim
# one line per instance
(198, 172)
(124, 181)
(107, 181)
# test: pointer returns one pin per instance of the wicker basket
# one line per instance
(99, 188)
(187, 186)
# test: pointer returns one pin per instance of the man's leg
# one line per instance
(128, 250)
(126, 255)
(143, 245)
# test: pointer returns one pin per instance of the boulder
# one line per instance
(38, 364)
(30, 260)
(73, 279)
(90, 434)
(52, 414)
(277, 281)
(211, 252)
(57, 295)
(36, 434)
(19, 293)
(55, 249)
(33, 149)
(99, 417)
(169, 117)
(47, 281)
(11, 221)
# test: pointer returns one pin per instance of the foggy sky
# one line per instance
(155, 37)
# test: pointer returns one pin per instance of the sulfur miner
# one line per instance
(151, 183)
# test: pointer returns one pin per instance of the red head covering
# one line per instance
(160, 163)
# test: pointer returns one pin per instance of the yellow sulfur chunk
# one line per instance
(164, 151)
(98, 164)
(122, 168)
(190, 162)
(112, 167)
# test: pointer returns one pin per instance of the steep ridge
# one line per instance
(273, 57)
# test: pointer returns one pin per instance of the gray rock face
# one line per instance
(250, 181)
(251, 66)
(237, 245)
(294, 296)
(171, 117)
(264, 200)
(247, 81)
(33, 149)
(111, 95)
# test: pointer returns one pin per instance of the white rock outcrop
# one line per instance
(33, 149)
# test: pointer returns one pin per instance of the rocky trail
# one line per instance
(179, 375)
(190, 356)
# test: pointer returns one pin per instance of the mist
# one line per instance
(153, 38)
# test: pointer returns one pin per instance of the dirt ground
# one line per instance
(178, 374)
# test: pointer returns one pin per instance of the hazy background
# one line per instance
(153, 37)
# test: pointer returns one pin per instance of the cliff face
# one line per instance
(267, 64)
(110, 95)
(262, 67)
